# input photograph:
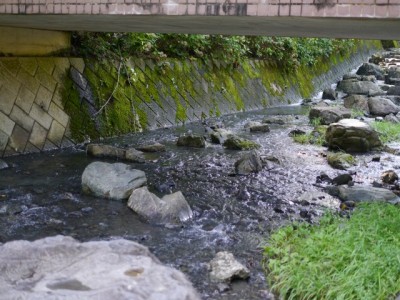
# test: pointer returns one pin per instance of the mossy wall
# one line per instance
(137, 94)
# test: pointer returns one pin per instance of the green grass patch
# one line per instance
(356, 258)
(388, 131)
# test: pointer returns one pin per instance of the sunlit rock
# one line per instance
(351, 135)
(62, 268)
(172, 208)
(224, 267)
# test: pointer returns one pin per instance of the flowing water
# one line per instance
(40, 195)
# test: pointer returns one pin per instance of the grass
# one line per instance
(316, 137)
(388, 131)
(356, 258)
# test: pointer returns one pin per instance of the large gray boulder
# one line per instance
(112, 181)
(329, 93)
(370, 69)
(352, 135)
(365, 193)
(357, 102)
(328, 115)
(249, 163)
(394, 90)
(379, 106)
(393, 75)
(224, 267)
(156, 147)
(172, 208)
(359, 87)
(62, 268)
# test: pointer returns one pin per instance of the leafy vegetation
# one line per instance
(388, 131)
(280, 51)
(356, 258)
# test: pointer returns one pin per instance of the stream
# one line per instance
(40, 196)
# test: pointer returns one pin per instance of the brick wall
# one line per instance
(31, 109)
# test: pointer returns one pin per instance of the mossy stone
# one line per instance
(237, 143)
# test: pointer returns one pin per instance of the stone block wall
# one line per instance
(32, 116)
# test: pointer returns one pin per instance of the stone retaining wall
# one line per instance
(48, 103)
(32, 116)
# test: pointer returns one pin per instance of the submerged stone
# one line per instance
(157, 147)
(62, 268)
(249, 163)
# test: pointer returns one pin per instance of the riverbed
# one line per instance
(40, 195)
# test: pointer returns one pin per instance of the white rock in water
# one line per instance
(113, 181)
(65, 269)
(224, 267)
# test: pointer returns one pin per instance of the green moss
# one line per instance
(81, 125)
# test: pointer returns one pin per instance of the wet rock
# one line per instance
(318, 198)
(323, 178)
(296, 131)
(249, 163)
(172, 208)
(62, 268)
(237, 143)
(3, 164)
(394, 90)
(219, 136)
(251, 124)
(134, 155)
(260, 128)
(364, 193)
(389, 177)
(342, 179)
(101, 150)
(274, 120)
(392, 119)
(359, 87)
(328, 115)
(347, 205)
(392, 75)
(358, 102)
(329, 94)
(224, 267)
(352, 135)
(193, 141)
(157, 147)
(376, 59)
(379, 106)
(340, 160)
(370, 69)
(112, 181)
(376, 159)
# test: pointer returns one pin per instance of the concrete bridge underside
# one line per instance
(384, 29)
(367, 19)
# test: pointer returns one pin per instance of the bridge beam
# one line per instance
(383, 29)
